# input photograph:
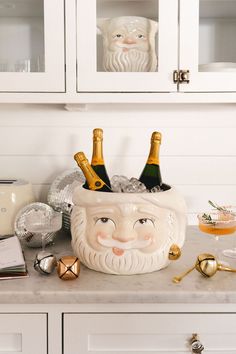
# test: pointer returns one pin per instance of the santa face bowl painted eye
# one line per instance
(144, 222)
(141, 36)
(104, 221)
(117, 36)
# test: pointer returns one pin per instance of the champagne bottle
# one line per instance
(94, 182)
(97, 162)
(151, 175)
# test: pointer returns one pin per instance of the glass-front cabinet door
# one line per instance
(127, 45)
(32, 46)
(207, 44)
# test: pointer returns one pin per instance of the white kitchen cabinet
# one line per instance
(207, 45)
(116, 328)
(194, 36)
(148, 333)
(102, 313)
(91, 74)
(23, 332)
(52, 52)
(32, 46)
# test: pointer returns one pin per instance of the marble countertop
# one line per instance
(157, 287)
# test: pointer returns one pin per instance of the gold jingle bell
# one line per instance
(68, 268)
(174, 252)
(207, 265)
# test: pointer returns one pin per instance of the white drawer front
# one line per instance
(148, 333)
(23, 333)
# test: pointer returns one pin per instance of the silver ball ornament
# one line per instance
(61, 192)
(45, 262)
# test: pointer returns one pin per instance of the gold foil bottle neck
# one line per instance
(93, 180)
(97, 157)
(156, 136)
(153, 157)
(80, 157)
(97, 134)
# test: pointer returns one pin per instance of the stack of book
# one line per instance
(12, 262)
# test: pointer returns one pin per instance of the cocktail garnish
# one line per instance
(208, 219)
(223, 209)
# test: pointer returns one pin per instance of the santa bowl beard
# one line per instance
(132, 60)
(130, 262)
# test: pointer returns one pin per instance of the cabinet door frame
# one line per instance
(25, 332)
(145, 333)
(189, 54)
(52, 79)
(90, 80)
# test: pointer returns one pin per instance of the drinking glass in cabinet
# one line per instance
(3, 66)
(22, 65)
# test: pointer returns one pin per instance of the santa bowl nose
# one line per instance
(129, 40)
(124, 234)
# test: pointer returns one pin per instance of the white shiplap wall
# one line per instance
(198, 153)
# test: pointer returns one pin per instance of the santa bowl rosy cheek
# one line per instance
(147, 237)
(102, 235)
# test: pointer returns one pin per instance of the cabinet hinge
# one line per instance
(181, 76)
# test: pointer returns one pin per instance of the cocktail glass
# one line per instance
(44, 225)
(218, 223)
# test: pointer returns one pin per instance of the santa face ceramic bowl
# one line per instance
(127, 233)
(128, 43)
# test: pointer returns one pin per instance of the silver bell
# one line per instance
(45, 262)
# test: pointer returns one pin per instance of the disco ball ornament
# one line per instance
(61, 192)
(45, 262)
(36, 224)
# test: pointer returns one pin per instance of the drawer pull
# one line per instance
(196, 345)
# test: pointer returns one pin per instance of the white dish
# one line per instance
(218, 66)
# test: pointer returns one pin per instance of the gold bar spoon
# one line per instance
(178, 278)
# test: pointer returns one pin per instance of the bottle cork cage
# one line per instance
(124, 233)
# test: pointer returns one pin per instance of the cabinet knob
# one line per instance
(196, 345)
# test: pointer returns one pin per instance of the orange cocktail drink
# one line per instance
(217, 230)
(217, 223)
